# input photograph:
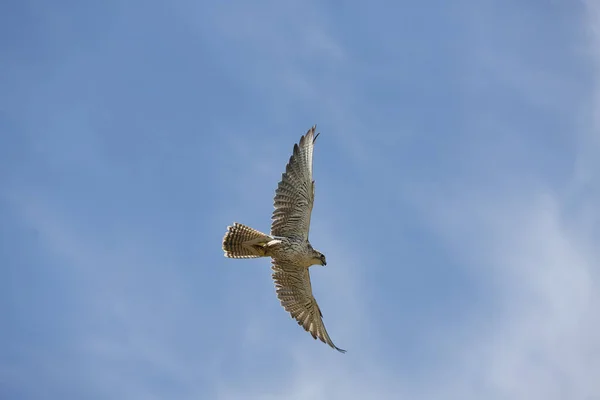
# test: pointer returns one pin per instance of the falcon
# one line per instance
(288, 245)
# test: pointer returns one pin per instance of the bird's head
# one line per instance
(319, 258)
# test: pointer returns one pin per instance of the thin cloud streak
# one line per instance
(527, 245)
(459, 265)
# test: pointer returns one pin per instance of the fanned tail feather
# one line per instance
(241, 241)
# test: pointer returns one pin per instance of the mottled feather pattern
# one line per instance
(289, 248)
(294, 291)
(235, 238)
(294, 196)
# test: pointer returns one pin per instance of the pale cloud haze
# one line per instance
(457, 188)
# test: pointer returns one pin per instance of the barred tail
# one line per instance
(241, 241)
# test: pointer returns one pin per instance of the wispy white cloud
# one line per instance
(537, 341)
(523, 241)
(154, 324)
(134, 311)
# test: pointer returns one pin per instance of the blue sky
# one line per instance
(456, 198)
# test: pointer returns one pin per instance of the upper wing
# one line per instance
(292, 284)
(296, 192)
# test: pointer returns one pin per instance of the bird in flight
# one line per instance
(288, 245)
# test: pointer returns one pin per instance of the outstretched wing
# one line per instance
(292, 284)
(296, 192)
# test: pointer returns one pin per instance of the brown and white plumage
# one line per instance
(294, 291)
(295, 192)
(288, 244)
